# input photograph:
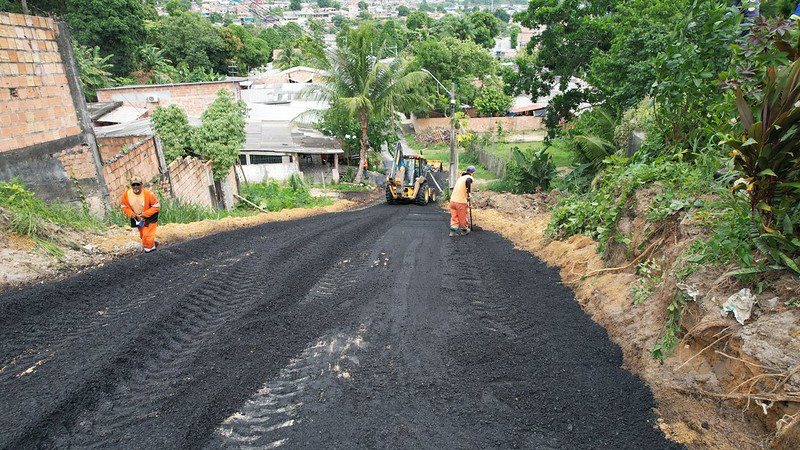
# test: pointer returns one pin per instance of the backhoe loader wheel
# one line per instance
(389, 198)
(423, 194)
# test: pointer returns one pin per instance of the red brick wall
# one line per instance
(35, 101)
(111, 147)
(139, 159)
(78, 162)
(191, 178)
(192, 98)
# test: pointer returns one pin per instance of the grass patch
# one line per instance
(174, 210)
(23, 213)
(561, 156)
(272, 196)
(444, 155)
(501, 185)
(348, 187)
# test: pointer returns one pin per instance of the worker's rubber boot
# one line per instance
(465, 231)
(453, 234)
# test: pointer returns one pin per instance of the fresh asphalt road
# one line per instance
(359, 329)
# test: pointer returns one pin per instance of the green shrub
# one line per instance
(595, 212)
(530, 171)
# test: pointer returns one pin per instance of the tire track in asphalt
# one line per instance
(192, 326)
(219, 300)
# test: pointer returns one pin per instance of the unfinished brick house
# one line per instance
(46, 138)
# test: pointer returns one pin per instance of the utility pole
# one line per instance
(453, 154)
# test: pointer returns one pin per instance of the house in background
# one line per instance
(275, 150)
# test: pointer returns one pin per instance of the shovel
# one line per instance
(472, 225)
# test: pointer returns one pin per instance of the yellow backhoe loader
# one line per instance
(410, 178)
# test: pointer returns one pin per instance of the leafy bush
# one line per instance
(492, 101)
(172, 125)
(218, 139)
(503, 185)
(274, 197)
(348, 187)
(595, 212)
(766, 154)
(530, 171)
(23, 213)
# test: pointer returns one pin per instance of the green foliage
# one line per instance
(403, 11)
(274, 197)
(295, 5)
(115, 26)
(362, 87)
(530, 171)
(221, 134)
(172, 126)
(485, 28)
(191, 39)
(595, 212)
(218, 139)
(635, 118)
(248, 50)
(685, 90)
(492, 101)
(23, 213)
(651, 277)
(624, 72)
(672, 328)
(94, 70)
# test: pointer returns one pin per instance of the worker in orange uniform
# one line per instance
(141, 206)
(459, 203)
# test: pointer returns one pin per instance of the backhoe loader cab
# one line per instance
(408, 180)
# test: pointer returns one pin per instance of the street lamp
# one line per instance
(453, 154)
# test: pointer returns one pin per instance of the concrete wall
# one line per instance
(193, 98)
(517, 124)
(46, 138)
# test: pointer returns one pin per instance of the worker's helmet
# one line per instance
(136, 180)
(471, 169)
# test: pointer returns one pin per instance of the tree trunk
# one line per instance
(364, 146)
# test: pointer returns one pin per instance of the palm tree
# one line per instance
(154, 66)
(94, 70)
(288, 58)
(365, 87)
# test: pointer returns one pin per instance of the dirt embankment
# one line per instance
(24, 262)
(726, 385)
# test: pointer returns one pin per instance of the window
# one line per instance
(266, 159)
(243, 159)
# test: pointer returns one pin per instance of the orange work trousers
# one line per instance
(458, 216)
(148, 235)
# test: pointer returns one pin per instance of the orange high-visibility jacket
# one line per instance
(150, 210)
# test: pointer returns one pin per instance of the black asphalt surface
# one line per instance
(362, 329)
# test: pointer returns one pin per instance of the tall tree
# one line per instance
(191, 39)
(486, 28)
(363, 86)
(115, 26)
